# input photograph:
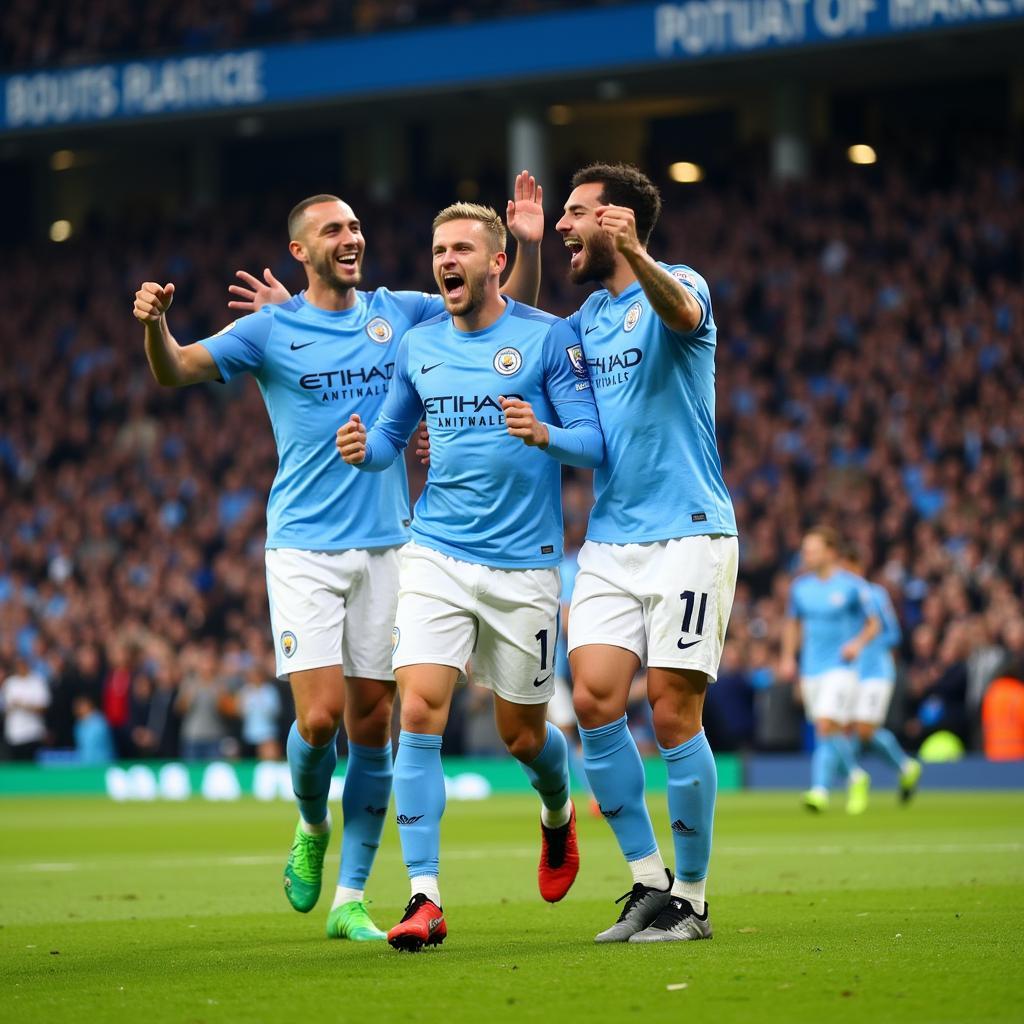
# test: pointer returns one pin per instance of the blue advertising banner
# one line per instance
(516, 49)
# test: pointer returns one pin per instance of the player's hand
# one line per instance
(256, 293)
(152, 301)
(620, 223)
(423, 445)
(525, 214)
(786, 670)
(351, 441)
(849, 651)
(522, 423)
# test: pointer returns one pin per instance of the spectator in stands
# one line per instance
(259, 707)
(94, 742)
(199, 703)
(25, 699)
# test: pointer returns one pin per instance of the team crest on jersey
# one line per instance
(396, 636)
(508, 361)
(288, 643)
(576, 360)
(379, 330)
(632, 317)
(685, 276)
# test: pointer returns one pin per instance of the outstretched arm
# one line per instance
(253, 294)
(673, 303)
(525, 218)
(173, 365)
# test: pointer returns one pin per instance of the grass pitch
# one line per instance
(174, 912)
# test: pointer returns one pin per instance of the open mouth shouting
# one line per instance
(576, 252)
(454, 286)
(348, 261)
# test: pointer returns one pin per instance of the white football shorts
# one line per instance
(872, 700)
(667, 601)
(504, 619)
(831, 695)
(333, 608)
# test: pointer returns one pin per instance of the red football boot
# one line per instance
(422, 925)
(559, 859)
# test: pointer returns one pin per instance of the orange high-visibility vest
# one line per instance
(1002, 720)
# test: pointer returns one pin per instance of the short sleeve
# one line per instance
(698, 288)
(419, 306)
(240, 347)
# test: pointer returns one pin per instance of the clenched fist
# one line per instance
(522, 423)
(351, 441)
(152, 301)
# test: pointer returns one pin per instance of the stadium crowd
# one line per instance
(80, 31)
(869, 373)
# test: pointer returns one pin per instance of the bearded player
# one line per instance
(332, 533)
(658, 569)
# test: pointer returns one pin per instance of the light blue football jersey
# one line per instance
(655, 394)
(876, 661)
(831, 612)
(489, 498)
(315, 368)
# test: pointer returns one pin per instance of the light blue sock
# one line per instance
(577, 772)
(419, 800)
(616, 776)
(549, 772)
(692, 788)
(885, 744)
(823, 762)
(364, 804)
(846, 759)
(312, 769)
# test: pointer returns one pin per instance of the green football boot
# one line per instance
(909, 778)
(815, 800)
(352, 921)
(305, 868)
(857, 792)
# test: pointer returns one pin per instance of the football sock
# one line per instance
(823, 763)
(419, 801)
(885, 744)
(692, 788)
(343, 894)
(364, 802)
(846, 762)
(650, 871)
(692, 892)
(311, 769)
(577, 772)
(549, 774)
(426, 884)
(616, 776)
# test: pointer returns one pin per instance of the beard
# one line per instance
(598, 261)
(326, 269)
(472, 298)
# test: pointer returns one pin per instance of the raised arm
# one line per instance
(674, 304)
(525, 218)
(173, 365)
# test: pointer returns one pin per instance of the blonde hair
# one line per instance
(474, 211)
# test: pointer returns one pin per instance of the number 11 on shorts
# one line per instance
(689, 599)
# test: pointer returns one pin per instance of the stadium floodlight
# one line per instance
(861, 153)
(686, 173)
(62, 160)
(60, 231)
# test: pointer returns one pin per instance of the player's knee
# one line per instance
(525, 744)
(418, 714)
(372, 727)
(319, 724)
(591, 711)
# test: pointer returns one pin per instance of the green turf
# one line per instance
(174, 912)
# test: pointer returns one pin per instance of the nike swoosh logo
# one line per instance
(692, 643)
(427, 369)
(541, 682)
(295, 348)
(592, 327)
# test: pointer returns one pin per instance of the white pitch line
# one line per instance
(264, 860)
